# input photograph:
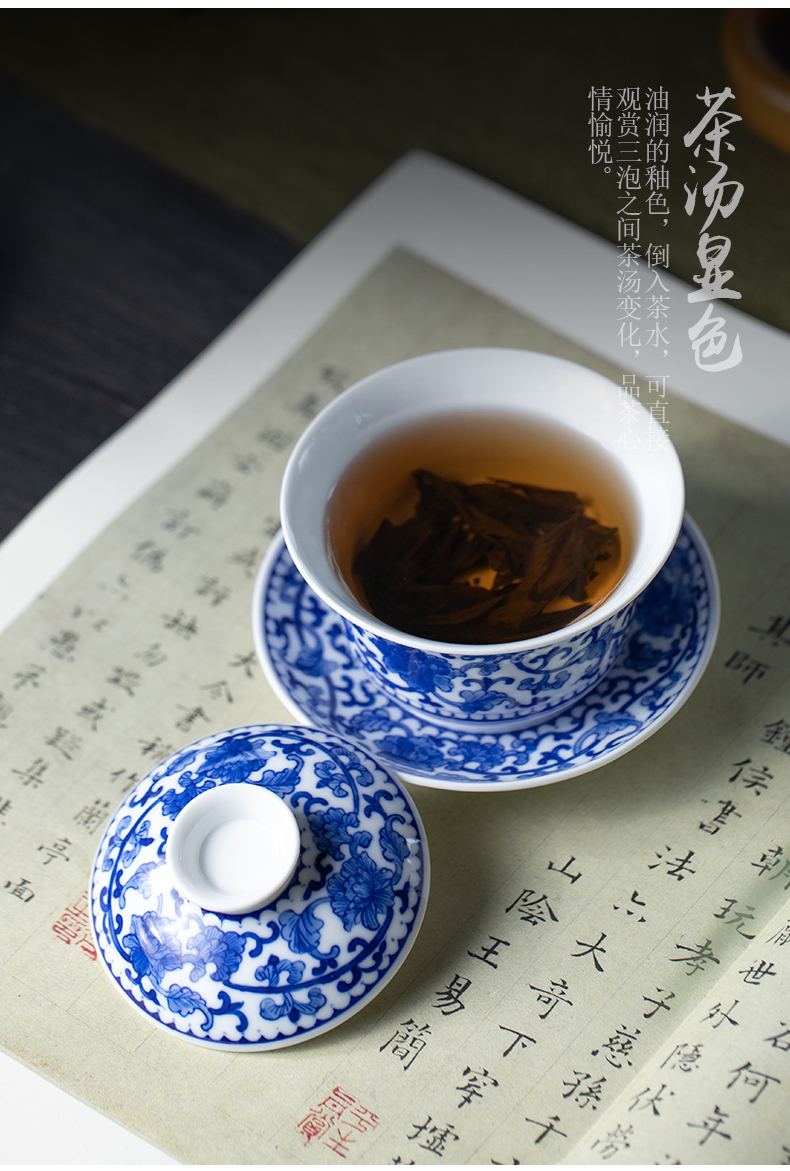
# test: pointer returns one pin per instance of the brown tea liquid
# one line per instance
(474, 447)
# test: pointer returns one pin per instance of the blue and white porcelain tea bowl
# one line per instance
(503, 686)
(259, 887)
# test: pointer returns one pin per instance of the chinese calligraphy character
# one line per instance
(757, 972)
(153, 656)
(29, 676)
(156, 748)
(565, 869)
(548, 1127)
(189, 717)
(782, 936)
(713, 1124)
(247, 463)
(274, 438)
(677, 867)
(684, 1057)
(720, 819)
(629, 307)
(33, 774)
(217, 492)
(591, 949)
(126, 680)
(697, 958)
(714, 192)
(180, 624)
(600, 98)
(21, 890)
(64, 644)
(308, 406)
(335, 377)
(658, 1003)
(436, 1138)
(407, 1041)
(246, 661)
(776, 630)
(782, 872)
(552, 995)
(618, 1048)
(93, 713)
(750, 667)
(122, 774)
(522, 1037)
(532, 910)
(616, 1140)
(750, 776)
(752, 1077)
(739, 918)
(777, 735)
(647, 1098)
(657, 99)
(780, 1040)
(90, 817)
(769, 860)
(450, 996)
(712, 252)
(150, 555)
(176, 522)
(247, 558)
(477, 1080)
(56, 850)
(209, 587)
(490, 950)
(637, 902)
(218, 690)
(708, 332)
(723, 1015)
(657, 255)
(65, 742)
(585, 1091)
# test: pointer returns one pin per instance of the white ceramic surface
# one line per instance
(324, 945)
(508, 685)
(233, 849)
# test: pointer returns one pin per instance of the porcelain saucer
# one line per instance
(309, 661)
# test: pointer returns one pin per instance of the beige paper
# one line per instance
(533, 1051)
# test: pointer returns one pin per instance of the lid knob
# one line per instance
(233, 849)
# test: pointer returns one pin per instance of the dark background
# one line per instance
(157, 168)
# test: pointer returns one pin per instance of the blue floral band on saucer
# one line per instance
(312, 958)
(310, 662)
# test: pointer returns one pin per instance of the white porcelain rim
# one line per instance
(303, 522)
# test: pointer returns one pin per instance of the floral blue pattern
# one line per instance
(152, 946)
(361, 892)
(331, 830)
(660, 662)
(498, 691)
(222, 949)
(307, 961)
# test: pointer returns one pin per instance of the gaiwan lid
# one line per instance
(259, 887)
